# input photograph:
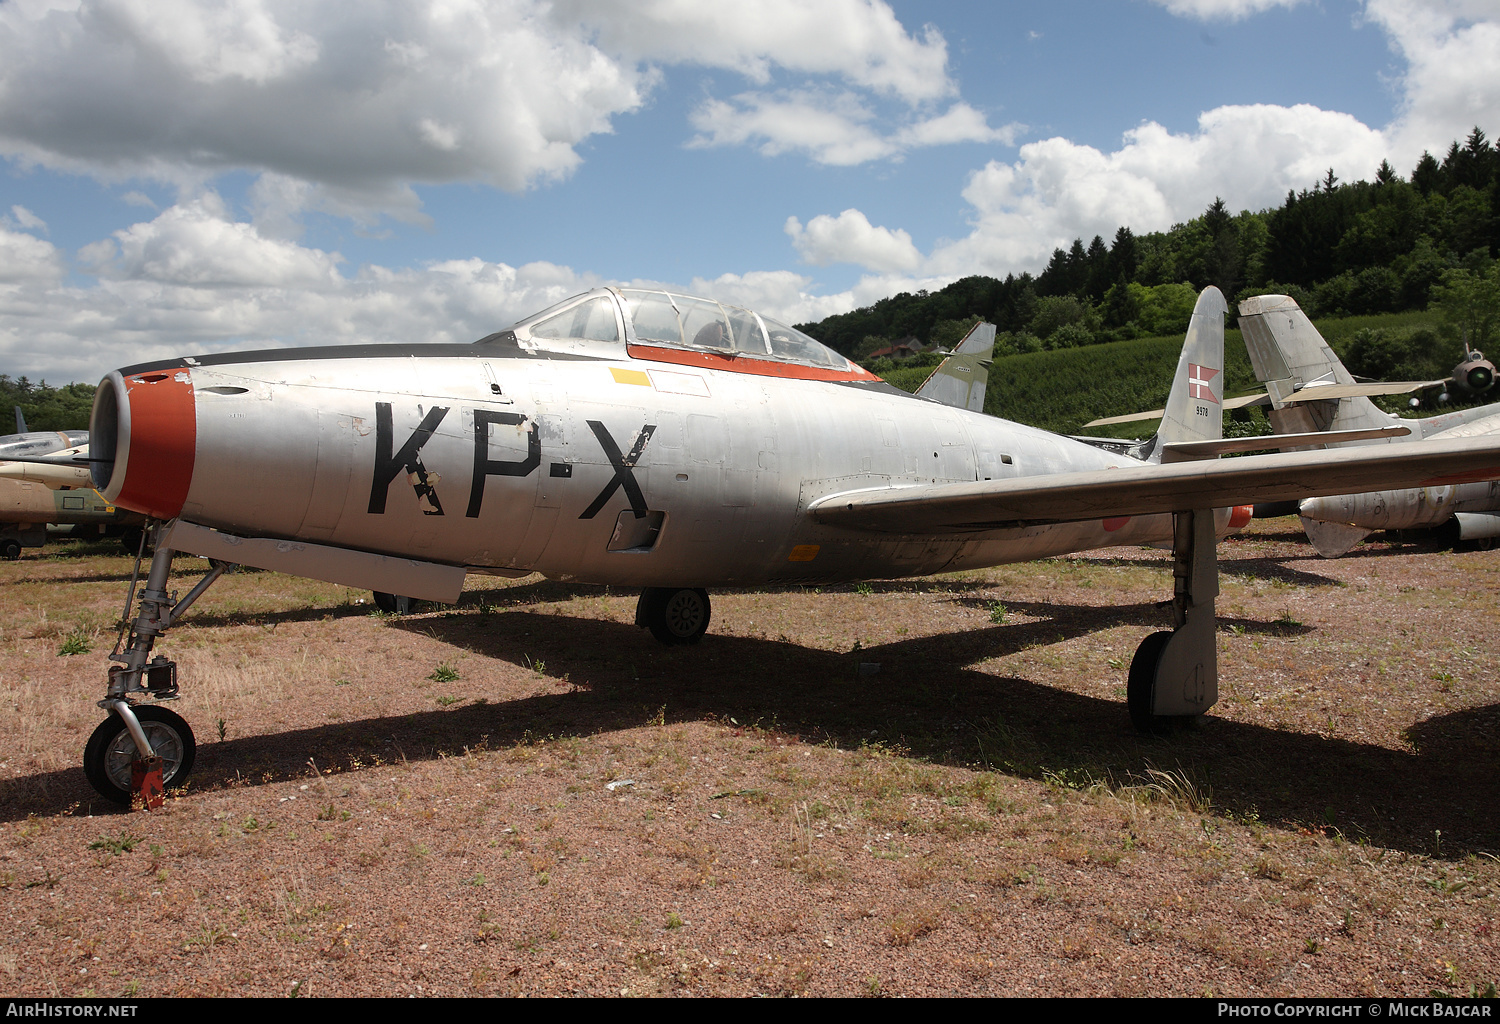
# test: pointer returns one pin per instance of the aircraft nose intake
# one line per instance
(144, 429)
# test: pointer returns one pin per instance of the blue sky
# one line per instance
(183, 176)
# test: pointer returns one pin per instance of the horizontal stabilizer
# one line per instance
(1148, 489)
(1181, 450)
(1328, 392)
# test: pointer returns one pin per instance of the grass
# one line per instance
(79, 641)
(125, 842)
(444, 673)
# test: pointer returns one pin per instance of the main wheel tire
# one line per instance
(394, 604)
(676, 616)
(110, 750)
(1140, 688)
(10, 549)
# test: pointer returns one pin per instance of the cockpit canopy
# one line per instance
(665, 319)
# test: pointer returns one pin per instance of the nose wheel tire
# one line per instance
(10, 550)
(674, 616)
(110, 750)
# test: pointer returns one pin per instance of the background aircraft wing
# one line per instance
(1155, 414)
(1148, 489)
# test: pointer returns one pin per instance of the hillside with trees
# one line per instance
(1341, 249)
(45, 408)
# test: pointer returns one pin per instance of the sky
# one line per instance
(188, 176)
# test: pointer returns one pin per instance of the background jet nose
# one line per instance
(144, 430)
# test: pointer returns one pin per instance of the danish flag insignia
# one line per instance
(1198, 386)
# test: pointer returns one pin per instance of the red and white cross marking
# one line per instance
(1198, 378)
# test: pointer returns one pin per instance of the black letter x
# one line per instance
(623, 466)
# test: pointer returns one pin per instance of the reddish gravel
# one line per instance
(526, 794)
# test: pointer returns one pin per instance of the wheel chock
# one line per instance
(146, 789)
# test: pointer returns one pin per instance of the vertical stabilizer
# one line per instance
(1195, 406)
(960, 379)
(1289, 355)
(20, 422)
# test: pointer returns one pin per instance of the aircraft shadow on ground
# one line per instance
(926, 700)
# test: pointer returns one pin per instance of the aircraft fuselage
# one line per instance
(609, 470)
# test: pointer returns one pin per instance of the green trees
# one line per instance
(45, 408)
(1339, 248)
(1468, 305)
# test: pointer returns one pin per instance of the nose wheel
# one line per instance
(110, 751)
(142, 748)
(674, 615)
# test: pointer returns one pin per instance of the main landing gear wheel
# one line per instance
(110, 750)
(394, 604)
(1140, 688)
(10, 549)
(674, 616)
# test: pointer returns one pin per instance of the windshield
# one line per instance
(672, 320)
(683, 321)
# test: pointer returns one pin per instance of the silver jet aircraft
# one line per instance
(650, 439)
(1311, 391)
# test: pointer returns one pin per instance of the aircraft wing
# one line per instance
(1328, 392)
(1155, 414)
(1149, 489)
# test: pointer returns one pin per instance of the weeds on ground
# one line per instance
(79, 641)
(123, 844)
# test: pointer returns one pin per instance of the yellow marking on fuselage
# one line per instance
(630, 376)
(803, 553)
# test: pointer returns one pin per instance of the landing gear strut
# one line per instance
(394, 604)
(1175, 675)
(142, 748)
(674, 615)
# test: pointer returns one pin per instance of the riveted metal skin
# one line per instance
(445, 469)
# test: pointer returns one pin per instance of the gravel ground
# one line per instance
(926, 787)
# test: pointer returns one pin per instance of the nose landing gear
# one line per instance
(143, 748)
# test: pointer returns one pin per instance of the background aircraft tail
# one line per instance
(1195, 405)
(960, 379)
(1288, 355)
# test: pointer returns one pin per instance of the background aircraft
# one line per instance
(44, 481)
(650, 439)
(1310, 390)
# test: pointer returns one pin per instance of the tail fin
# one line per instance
(1195, 405)
(20, 422)
(960, 379)
(1288, 353)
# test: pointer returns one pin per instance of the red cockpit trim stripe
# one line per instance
(163, 440)
(746, 364)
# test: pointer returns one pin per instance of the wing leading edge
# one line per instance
(1150, 489)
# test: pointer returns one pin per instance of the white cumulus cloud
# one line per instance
(851, 238)
(359, 102)
(860, 41)
(25, 259)
(362, 98)
(1451, 82)
(839, 128)
(1228, 10)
